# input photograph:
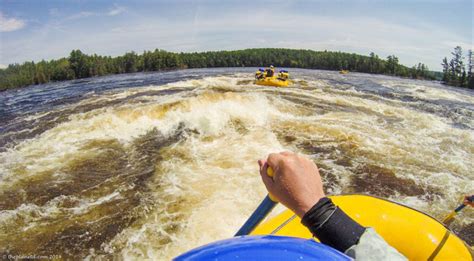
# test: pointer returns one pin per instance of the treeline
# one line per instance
(79, 65)
(455, 72)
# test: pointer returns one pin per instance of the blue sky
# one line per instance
(415, 31)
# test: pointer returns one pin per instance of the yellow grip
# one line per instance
(447, 220)
(270, 173)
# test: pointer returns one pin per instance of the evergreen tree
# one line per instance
(446, 71)
(455, 72)
(457, 66)
(78, 63)
(470, 77)
(392, 64)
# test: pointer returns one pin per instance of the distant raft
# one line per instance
(416, 235)
(267, 77)
(343, 71)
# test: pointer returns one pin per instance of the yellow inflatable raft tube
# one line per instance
(272, 81)
(280, 80)
(416, 235)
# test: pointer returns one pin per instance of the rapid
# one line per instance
(147, 166)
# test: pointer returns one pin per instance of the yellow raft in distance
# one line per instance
(279, 80)
(416, 235)
(272, 81)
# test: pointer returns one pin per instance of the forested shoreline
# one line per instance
(456, 72)
(79, 65)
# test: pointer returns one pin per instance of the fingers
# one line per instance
(287, 153)
(274, 160)
(267, 180)
(263, 166)
(468, 201)
(261, 163)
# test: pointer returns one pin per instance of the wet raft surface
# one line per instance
(147, 165)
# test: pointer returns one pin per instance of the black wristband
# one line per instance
(332, 226)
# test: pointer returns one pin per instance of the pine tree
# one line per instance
(446, 71)
(392, 64)
(457, 66)
(470, 77)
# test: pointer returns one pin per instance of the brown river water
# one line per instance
(147, 166)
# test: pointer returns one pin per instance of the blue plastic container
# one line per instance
(259, 248)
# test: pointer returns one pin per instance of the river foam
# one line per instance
(152, 171)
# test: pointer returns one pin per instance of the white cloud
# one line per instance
(10, 24)
(116, 10)
(3, 66)
(80, 15)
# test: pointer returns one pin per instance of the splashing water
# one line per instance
(151, 165)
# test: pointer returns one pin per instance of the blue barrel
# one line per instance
(259, 248)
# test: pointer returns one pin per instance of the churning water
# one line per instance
(151, 165)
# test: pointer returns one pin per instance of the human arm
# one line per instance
(297, 185)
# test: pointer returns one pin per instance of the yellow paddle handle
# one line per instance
(447, 220)
(270, 173)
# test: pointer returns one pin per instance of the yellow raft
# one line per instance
(416, 235)
(272, 81)
(343, 71)
(280, 80)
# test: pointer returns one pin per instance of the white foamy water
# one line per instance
(150, 172)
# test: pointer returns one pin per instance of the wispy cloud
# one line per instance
(116, 10)
(80, 15)
(10, 24)
(113, 11)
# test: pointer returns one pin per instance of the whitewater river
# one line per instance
(151, 165)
